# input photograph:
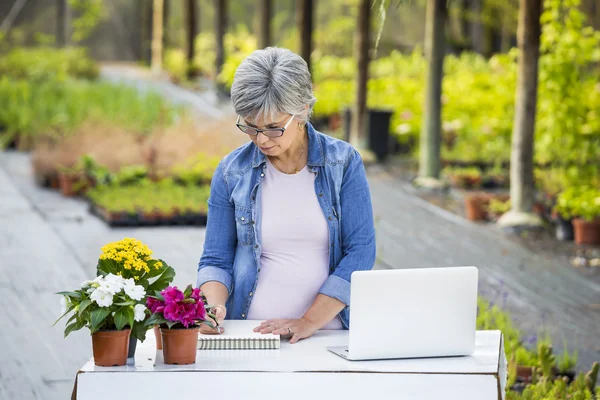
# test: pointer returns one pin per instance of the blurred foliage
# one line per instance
(569, 101)
(88, 14)
(42, 93)
(536, 353)
(45, 63)
(56, 108)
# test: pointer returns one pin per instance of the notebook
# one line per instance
(239, 335)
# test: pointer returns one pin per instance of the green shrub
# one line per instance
(45, 63)
(56, 108)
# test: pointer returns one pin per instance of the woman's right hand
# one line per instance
(220, 314)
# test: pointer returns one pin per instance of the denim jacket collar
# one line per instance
(316, 158)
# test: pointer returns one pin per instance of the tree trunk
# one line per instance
(477, 33)
(166, 32)
(305, 26)
(358, 135)
(465, 16)
(429, 166)
(505, 35)
(157, 36)
(192, 30)
(521, 162)
(63, 22)
(146, 30)
(264, 24)
(220, 28)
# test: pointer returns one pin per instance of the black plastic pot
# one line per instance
(564, 229)
(377, 124)
(132, 346)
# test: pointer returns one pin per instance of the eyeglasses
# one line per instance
(272, 132)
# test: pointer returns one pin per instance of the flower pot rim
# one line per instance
(112, 330)
(179, 329)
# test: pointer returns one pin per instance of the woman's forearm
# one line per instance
(323, 310)
(216, 293)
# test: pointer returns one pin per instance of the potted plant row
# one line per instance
(161, 203)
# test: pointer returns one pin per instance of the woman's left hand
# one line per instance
(296, 329)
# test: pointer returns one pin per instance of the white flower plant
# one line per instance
(107, 303)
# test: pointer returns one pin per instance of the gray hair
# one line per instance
(272, 81)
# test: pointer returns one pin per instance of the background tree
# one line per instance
(191, 31)
(430, 139)
(157, 36)
(521, 161)
(362, 43)
(264, 24)
(304, 13)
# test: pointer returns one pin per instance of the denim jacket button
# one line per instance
(262, 175)
(256, 246)
(243, 315)
(250, 294)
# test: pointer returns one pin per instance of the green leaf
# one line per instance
(170, 324)
(106, 267)
(155, 319)
(120, 319)
(75, 326)
(97, 318)
(139, 330)
(62, 316)
(210, 324)
(187, 292)
(71, 294)
(162, 281)
(84, 304)
(125, 303)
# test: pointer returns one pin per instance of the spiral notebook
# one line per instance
(239, 335)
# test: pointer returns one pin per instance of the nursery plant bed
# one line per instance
(122, 218)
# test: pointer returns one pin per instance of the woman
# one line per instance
(289, 214)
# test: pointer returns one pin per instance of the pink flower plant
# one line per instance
(175, 308)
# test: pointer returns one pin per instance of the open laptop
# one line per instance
(411, 313)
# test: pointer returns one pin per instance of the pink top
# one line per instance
(294, 262)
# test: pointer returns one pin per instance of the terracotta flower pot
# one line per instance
(180, 345)
(158, 335)
(524, 373)
(110, 347)
(587, 232)
(476, 205)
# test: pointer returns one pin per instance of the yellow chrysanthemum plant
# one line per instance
(132, 259)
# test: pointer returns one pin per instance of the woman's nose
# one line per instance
(261, 138)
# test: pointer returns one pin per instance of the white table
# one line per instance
(303, 371)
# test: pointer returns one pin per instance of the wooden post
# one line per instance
(63, 22)
(157, 36)
(362, 40)
(305, 26)
(220, 29)
(192, 31)
(264, 24)
(429, 165)
(521, 158)
(477, 33)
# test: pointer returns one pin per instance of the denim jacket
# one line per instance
(232, 246)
